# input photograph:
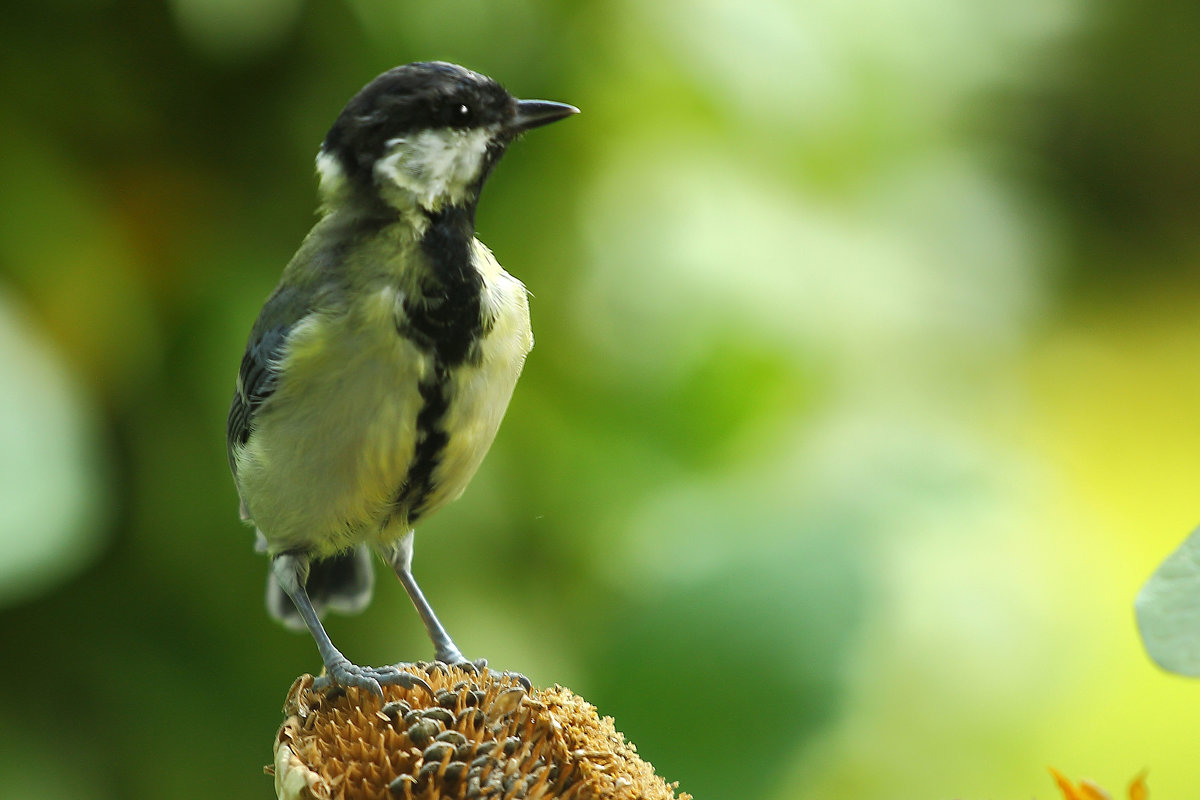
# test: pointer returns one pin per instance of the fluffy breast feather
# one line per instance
(334, 443)
(335, 439)
(481, 390)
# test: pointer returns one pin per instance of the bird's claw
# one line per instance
(477, 668)
(371, 679)
(524, 682)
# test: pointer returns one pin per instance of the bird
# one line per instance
(378, 370)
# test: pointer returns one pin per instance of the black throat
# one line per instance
(445, 321)
(445, 318)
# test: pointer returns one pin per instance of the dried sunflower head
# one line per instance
(478, 736)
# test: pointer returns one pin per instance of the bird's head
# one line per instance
(424, 135)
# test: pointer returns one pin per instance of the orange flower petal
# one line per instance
(1088, 790)
(1138, 789)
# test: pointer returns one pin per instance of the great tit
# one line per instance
(379, 369)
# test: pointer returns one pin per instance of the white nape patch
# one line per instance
(330, 174)
(435, 166)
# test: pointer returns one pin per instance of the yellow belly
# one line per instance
(332, 447)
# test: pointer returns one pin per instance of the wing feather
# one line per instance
(258, 375)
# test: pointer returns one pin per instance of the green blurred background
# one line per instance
(865, 393)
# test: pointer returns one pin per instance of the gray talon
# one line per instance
(371, 679)
(477, 667)
(471, 667)
(525, 683)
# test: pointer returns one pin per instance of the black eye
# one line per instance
(458, 115)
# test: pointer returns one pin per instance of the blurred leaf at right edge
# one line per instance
(1168, 610)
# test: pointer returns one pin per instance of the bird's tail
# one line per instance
(341, 583)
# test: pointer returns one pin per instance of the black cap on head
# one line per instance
(430, 95)
(409, 98)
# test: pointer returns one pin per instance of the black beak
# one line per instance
(536, 113)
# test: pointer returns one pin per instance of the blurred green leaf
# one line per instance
(1168, 610)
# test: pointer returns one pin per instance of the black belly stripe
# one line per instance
(431, 442)
(446, 322)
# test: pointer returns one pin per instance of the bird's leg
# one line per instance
(291, 571)
(400, 559)
(445, 651)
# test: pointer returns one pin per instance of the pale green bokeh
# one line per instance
(51, 480)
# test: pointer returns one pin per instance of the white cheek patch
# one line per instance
(330, 175)
(435, 165)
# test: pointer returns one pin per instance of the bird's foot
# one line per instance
(372, 679)
(477, 667)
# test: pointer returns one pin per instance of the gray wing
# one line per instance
(256, 382)
(259, 372)
(311, 280)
